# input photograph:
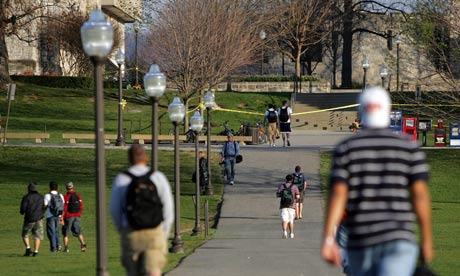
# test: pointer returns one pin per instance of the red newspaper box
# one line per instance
(409, 128)
(440, 135)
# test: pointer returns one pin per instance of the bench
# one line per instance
(141, 138)
(87, 136)
(37, 136)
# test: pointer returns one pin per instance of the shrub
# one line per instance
(272, 78)
(56, 81)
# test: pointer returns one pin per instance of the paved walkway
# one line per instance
(248, 239)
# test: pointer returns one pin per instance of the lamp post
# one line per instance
(176, 114)
(120, 58)
(398, 42)
(136, 31)
(209, 102)
(262, 36)
(154, 85)
(383, 71)
(97, 40)
(365, 67)
(196, 123)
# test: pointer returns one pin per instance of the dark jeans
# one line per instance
(230, 168)
(52, 230)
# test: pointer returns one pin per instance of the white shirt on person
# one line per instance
(47, 200)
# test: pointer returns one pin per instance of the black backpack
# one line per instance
(56, 204)
(297, 179)
(287, 197)
(271, 116)
(284, 116)
(143, 205)
(73, 206)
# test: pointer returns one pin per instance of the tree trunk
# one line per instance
(4, 71)
(347, 44)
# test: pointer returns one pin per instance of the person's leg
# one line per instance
(300, 210)
(398, 258)
(361, 262)
(297, 210)
(37, 232)
(228, 169)
(232, 166)
(65, 233)
(287, 138)
(50, 233)
(291, 222)
(76, 231)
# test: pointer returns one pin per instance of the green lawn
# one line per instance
(19, 165)
(445, 193)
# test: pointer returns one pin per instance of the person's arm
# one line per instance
(422, 207)
(237, 148)
(305, 183)
(222, 153)
(336, 205)
(23, 208)
(115, 203)
(66, 204)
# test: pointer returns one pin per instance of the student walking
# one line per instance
(271, 119)
(288, 193)
(204, 175)
(54, 201)
(143, 222)
(32, 207)
(300, 180)
(284, 113)
(73, 207)
(228, 155)
(379, 178)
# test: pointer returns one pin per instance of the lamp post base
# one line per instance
(177, 246)
(120, 142)
(208, 191)
(197, 230)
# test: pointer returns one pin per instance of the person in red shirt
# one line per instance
(73, 207)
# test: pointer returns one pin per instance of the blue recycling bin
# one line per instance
(396, 121)
(454, 134)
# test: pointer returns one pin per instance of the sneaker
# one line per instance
(66, 250)
(284, 235)
(59, 248)
(83, 248)
(28, 252)
(288, 143)
(35, 254)
(292, 235)
(232, 182)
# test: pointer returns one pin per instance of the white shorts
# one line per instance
(287, 214)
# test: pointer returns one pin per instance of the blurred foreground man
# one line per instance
(380, 179)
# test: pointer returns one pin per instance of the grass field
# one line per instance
(445, 194)
(19, 165)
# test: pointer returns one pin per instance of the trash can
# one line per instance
(254, 133)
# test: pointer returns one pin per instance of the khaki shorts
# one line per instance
(302, 196)
(287, 214)
(148, 244)
(35, 227)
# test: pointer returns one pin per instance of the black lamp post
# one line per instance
(120, 58)
(366, 66)
(262, 36)
(97, 40)
(136, 31)
(398, 42)
(154, 85)
(209, 102)
(383, 74)
(196, 123)
(176, 114)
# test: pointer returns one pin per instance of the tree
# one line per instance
(198, 43)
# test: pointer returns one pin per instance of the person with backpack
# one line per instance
(33, 209)
(73, 207)
(230, 150)
(54, 202)
(288, 193)
(300, 180)
(142, 210)
(271, 120)
(284, 113)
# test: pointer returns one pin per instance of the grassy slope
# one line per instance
(445, 192)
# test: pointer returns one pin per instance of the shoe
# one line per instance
(83, 248)
(284, 235)
(28, 252)
(59, 248)
(35, 254)
(292, 235)
(288, 143)
(231, 182)
(66, 250)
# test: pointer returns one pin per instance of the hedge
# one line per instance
(56, 81)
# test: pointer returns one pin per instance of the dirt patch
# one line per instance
(91, 100)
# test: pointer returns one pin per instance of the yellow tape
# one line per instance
(324, 110)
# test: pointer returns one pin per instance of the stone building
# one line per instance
(41, 56)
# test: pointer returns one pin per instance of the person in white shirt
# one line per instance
(147, 245)
(284, 114)
(54, 203)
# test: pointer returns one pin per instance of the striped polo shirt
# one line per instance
(378, 167)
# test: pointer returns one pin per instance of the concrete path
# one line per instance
(248, 239)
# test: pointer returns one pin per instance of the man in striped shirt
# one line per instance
(379, 178)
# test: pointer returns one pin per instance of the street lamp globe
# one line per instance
(196, 122)
(209, 99)
(366, 64)
(154, 82)
(176, 110)
(262, 34)
(398, 40)
(97, 35)
(383, 71)
(120, 57)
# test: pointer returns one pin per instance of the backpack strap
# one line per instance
(133, 176)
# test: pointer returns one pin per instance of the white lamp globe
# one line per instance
(197, 121)
(97, 35)
(176, 110)
(154, 82)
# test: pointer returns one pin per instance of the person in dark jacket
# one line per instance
(32, 207)
(204, 175)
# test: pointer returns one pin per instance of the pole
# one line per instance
(101, 219)
(10, 87)
(120, 138)
(136, 59)
(383, 83)
(177, 243)
(364, 78)
(262, 63)
(154, 134)
(397, 67)
(197, 228)
(208, 152)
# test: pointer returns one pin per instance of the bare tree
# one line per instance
(200, 42)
